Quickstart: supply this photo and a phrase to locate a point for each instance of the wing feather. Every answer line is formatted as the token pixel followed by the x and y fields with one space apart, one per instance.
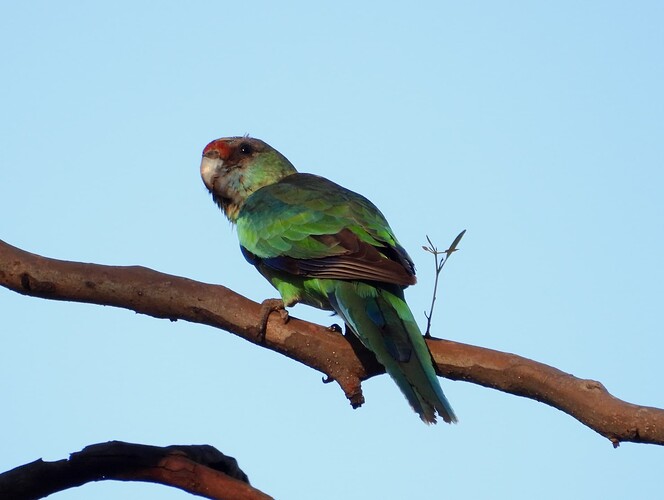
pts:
pixel 308 226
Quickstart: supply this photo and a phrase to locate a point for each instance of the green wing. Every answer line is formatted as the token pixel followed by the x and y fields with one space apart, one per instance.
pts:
pixel 308 226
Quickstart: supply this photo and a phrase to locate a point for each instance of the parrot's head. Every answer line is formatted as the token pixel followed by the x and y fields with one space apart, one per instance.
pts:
pixel 235 167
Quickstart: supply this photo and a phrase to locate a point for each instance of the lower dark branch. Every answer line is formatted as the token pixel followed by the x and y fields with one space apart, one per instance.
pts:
pixel 165 296
pixel 201 470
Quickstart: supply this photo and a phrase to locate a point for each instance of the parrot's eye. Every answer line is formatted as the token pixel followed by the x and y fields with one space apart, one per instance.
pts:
pixel 246 149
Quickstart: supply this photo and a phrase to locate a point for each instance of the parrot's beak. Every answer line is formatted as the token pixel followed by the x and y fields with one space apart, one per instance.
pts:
pixel 210 168
pixel 212 164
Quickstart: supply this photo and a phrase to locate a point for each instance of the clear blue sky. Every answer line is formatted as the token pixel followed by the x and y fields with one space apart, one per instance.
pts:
pixel 536 126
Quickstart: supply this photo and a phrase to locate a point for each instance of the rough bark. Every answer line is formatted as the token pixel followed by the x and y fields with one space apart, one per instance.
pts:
pixel 165 296
pixel 201 470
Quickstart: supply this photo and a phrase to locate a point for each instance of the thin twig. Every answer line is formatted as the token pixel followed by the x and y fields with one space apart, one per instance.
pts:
pixel 439 267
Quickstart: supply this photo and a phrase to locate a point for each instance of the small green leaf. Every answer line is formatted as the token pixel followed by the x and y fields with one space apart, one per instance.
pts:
pixel 455 243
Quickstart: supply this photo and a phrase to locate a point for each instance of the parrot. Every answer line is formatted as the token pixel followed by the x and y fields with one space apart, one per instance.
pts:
pixel 325 246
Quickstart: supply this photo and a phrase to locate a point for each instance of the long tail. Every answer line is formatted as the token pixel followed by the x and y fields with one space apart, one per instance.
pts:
pixel 385 325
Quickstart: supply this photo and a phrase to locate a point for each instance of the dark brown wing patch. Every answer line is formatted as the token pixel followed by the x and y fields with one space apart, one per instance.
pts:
pixel 359 261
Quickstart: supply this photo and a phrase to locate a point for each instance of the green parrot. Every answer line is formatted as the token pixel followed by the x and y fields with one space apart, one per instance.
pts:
pixel 323 245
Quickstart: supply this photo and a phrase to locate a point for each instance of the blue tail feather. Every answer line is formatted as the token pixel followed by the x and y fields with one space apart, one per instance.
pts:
pixel 385 325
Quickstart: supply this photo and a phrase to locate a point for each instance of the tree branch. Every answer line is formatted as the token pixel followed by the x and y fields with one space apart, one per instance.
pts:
pixel 165 296
pixel 200 470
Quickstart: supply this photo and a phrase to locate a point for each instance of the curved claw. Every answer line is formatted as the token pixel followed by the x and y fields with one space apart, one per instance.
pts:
pixel 268 306
pixel 327 379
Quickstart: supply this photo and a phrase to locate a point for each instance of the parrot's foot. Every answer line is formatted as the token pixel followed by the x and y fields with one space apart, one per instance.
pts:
pixel 335 328
pixel 268 306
